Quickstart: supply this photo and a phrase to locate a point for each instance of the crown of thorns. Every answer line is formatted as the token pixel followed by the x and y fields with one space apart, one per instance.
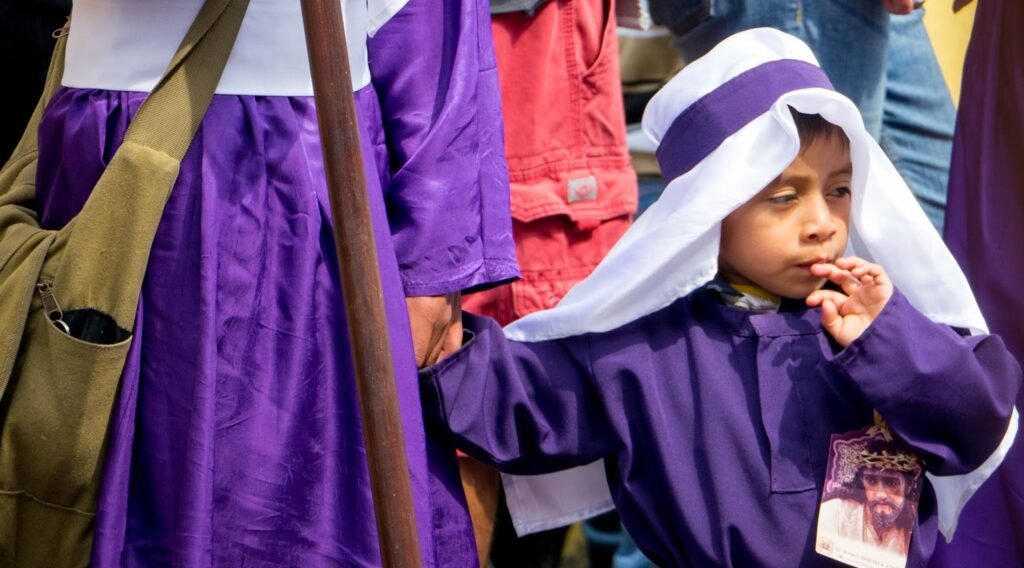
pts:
pixel 854 457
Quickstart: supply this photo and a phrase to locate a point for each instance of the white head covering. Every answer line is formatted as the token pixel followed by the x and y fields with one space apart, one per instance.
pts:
pixel 725 131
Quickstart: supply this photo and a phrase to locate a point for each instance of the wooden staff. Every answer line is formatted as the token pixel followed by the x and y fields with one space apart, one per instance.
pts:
pixel 360 281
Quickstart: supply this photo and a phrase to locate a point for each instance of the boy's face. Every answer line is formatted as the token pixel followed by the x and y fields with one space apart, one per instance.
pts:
pixel 799 220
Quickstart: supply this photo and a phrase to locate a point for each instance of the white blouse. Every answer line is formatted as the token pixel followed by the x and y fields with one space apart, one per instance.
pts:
pixel 125 45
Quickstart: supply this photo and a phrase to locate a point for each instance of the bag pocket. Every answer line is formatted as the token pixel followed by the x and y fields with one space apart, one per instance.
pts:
pixel 57 410
pixel 95 327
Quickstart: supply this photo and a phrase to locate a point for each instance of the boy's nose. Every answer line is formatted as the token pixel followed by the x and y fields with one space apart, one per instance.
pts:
pixel 819 224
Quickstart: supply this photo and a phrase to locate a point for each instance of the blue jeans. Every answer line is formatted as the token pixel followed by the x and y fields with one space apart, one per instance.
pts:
pixel 919 116
pixel 650 189
pixel 610 545
pixel 627 555
pixel 884 65
pixel 849 38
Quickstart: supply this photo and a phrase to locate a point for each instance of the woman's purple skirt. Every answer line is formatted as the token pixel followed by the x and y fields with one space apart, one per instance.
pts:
pixel 236 438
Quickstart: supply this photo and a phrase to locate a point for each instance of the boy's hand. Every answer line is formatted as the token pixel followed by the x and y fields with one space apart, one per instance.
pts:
pixel 436 326
pixel 866 290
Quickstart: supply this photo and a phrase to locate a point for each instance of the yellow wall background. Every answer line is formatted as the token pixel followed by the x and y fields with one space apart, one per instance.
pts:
pixel 949 34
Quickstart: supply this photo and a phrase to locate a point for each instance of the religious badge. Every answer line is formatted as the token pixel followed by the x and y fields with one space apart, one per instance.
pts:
pixel 869 505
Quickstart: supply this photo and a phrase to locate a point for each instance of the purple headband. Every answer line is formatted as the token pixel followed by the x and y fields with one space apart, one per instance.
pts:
pixel 705 124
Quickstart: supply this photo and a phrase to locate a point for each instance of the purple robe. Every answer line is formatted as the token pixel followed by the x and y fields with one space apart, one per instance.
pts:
pixel 984 229
pixel 715 423
pixel 236 438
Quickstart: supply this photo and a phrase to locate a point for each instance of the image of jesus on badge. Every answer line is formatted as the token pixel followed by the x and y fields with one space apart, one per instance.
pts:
pixel 869 506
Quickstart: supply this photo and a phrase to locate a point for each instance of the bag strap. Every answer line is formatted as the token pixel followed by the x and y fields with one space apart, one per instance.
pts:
pixel 96 266
pixel 171 114
pixel 56 70
pixel 168 119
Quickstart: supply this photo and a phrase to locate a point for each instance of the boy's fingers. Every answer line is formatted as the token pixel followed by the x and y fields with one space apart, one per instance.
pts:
pixel 868 268
pixel 830 318
pixel 842 278
pixel 822 270
pixel 869 280
pixel 858 264
pixel 817 297
pixel 850 262
pixel 859 267
pixel 882 277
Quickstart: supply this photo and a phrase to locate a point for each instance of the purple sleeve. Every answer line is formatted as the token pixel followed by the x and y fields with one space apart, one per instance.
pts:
pixel 434 70
pixel 525 408
pixel 948 396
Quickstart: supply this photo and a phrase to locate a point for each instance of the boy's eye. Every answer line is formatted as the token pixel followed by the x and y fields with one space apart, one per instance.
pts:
pixel 784 199
pixel 840 192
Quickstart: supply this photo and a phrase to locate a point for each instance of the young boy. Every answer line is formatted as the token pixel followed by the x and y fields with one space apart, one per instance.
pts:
pixel 738 326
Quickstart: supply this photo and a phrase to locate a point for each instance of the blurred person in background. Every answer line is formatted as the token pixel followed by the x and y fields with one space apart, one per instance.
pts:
pixel 984 229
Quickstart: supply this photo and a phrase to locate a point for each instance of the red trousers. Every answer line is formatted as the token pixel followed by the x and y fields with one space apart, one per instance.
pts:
pixel 573 187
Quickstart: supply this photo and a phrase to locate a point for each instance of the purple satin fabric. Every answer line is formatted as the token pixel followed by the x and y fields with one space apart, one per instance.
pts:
pixel 984 229
pixel 437 58
pixel 705 124
pixel 236 438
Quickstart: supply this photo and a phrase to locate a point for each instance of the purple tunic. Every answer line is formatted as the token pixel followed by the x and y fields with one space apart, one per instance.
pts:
pixel 984 229
pixel 236 438
pixel 715 423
